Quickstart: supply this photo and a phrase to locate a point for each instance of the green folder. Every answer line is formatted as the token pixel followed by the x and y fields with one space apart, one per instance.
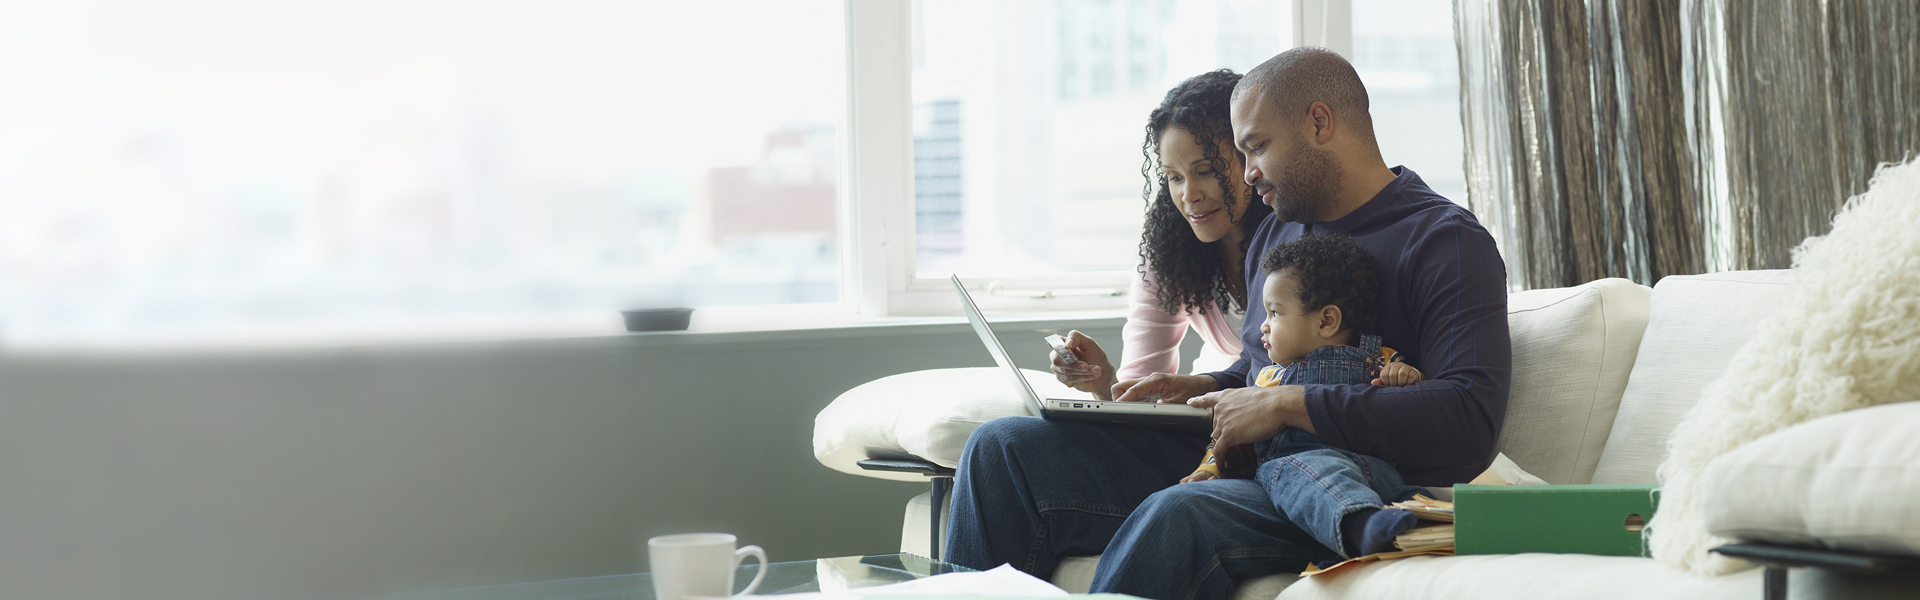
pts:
pixel 1573 519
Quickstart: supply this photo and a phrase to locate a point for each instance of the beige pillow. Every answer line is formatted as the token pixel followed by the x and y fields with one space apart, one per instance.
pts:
pixel 1572 350
pixel 1846 481
pixel 1695 325
pixel 927 414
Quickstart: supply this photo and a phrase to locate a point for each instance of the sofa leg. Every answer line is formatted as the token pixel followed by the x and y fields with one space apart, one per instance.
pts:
pixel 1775 587
pixel 938 496
pixel 942 478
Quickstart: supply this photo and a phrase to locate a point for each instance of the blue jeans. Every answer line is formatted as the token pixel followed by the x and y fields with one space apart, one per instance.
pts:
pixel 1315 485
pixel 1031 491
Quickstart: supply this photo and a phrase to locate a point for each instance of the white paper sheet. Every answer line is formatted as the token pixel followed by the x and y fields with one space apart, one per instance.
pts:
pixel 1003 580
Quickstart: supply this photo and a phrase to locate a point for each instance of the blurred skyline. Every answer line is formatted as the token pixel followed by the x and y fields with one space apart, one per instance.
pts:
pixel 178 166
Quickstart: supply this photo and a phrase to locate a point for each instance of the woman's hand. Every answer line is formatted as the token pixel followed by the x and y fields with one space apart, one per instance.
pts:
pixel 1165 388
pixel 1092 373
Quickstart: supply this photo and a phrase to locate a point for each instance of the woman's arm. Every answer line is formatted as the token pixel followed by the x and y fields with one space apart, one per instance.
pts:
pixel 1151 338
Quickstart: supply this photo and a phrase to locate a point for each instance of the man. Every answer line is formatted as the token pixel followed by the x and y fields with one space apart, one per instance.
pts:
pixel 1031 491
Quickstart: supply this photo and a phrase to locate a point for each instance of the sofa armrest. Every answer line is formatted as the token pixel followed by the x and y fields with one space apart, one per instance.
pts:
pixel 923 415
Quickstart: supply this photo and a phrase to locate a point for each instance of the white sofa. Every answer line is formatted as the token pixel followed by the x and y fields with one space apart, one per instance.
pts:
pixel 1602 374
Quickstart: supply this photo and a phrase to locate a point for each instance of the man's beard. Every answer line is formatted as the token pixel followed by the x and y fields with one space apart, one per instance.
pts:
pixel 1305 190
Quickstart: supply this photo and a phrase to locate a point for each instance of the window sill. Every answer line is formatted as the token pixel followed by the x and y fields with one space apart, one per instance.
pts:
pixel 715 326
pixel 726 328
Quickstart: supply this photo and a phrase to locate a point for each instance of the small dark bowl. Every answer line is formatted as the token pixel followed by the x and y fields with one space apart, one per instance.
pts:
pixel 658 319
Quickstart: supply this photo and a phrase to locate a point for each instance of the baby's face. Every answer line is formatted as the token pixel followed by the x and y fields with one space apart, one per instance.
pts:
pixel 1290 330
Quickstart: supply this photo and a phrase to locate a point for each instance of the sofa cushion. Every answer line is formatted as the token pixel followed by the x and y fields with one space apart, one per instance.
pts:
pixel 1845 481
pixel 1694 326
pixel 1572 350
pixel 927 414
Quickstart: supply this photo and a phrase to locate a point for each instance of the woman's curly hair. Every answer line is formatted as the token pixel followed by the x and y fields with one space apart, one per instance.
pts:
pixel 1189 272
pixel 1332 269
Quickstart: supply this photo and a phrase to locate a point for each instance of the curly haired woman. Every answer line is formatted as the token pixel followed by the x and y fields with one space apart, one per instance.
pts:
pixel 1199 218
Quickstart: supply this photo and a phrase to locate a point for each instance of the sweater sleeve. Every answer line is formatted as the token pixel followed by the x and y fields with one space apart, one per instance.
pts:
pixel 1150 341
pixel 1235 376
pixel 1442 430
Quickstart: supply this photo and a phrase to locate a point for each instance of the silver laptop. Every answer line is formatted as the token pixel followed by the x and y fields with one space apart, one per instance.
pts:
pixel 1177 418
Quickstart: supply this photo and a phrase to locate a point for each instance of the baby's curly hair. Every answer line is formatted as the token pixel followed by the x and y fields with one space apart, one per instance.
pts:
pixel 1332 269
pixel 1188 271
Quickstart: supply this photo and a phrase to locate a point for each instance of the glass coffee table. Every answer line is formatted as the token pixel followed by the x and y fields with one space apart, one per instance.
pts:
pixel 825 574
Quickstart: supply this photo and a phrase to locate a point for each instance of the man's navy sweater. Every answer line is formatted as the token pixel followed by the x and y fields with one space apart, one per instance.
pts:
pixel 1443 306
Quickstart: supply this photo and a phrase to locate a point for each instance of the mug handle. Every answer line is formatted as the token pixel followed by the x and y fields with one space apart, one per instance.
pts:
pixel 741 555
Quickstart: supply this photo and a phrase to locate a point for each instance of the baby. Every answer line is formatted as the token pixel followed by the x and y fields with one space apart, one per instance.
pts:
pixel 1321 292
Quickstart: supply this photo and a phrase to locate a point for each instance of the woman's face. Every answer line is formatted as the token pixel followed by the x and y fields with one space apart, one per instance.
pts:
pixel 1193 182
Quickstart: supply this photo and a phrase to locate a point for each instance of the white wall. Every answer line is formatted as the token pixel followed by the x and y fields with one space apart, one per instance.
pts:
pixel 351 473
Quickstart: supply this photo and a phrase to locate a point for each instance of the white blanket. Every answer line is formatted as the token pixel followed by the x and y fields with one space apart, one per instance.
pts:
pixel 1847 337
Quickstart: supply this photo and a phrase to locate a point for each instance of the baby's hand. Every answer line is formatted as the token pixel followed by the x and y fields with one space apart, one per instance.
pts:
pixel 1398 373
pixel 1201 475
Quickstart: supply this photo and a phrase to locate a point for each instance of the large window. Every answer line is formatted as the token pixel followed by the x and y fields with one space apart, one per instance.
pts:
pixel 1405 54
pixel 220 169
pixel 217 168
pixel 1029 118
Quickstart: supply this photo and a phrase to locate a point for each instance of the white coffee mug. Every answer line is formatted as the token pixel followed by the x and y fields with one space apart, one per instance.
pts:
pixel 699 564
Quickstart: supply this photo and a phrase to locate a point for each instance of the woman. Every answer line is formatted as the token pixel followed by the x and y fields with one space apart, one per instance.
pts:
pixel 1200 216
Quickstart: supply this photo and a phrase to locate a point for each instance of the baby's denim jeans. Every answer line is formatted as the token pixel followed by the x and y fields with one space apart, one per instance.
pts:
pixel 1312 483
pixel 1315 485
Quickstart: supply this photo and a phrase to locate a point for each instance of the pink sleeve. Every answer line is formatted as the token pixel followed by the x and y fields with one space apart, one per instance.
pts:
pixel 1151 337
pixel 1213 327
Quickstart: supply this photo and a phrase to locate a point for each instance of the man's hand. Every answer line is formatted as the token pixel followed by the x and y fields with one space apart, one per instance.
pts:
pixel 1092 373
pixel 1251 414
pixel 1398 373
pixel 1165 388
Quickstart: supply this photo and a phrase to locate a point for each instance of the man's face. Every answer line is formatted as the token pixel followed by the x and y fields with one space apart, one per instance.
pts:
pixel 1290 175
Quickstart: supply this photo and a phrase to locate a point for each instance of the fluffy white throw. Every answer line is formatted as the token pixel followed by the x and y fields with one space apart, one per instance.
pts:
pixel 1847 337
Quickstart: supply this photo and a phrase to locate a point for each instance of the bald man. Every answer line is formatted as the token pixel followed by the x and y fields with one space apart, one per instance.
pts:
pixel 1031 491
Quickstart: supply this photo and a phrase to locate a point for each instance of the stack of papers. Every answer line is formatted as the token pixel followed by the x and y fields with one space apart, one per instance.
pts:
pixel 1428 508
pixel 1431 537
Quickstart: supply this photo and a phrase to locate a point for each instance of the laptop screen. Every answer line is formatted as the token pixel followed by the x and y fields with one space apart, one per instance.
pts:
pixel 993 347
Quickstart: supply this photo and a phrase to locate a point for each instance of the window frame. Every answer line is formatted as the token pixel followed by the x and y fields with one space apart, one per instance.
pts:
pixel 877 208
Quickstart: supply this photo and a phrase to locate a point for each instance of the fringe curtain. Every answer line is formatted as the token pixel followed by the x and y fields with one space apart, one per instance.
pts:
pixel 1595 144
pixel 1818 94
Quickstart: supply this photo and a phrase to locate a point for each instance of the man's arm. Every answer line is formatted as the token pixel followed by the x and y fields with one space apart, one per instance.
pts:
pixel 1441 430
pixel 1235 376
